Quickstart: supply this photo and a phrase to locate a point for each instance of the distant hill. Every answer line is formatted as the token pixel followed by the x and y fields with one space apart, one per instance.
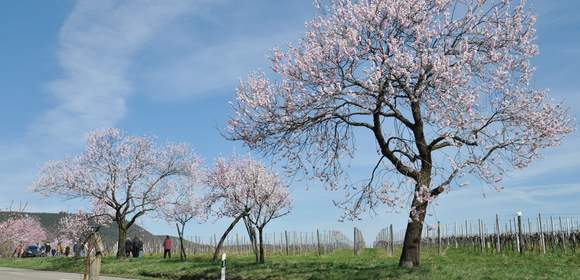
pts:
pixel 109 234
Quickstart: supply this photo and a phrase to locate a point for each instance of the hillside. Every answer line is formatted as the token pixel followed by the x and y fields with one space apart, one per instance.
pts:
pixel 109 234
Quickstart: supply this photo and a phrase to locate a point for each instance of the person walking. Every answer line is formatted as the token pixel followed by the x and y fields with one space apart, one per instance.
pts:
pixel 128 247
pixel 140 247
pixel 95 250
pixel 136 246
pixel 18 251
pixel 59 251
pixel 47 249
pixel 76 250
pixel 167 247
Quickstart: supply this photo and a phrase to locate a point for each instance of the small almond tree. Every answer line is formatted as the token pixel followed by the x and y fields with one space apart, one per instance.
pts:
pixel 272 201
pixel 20 229
pixel 183 207
pixel 442 87
pixel 127 175
pixel 78 227
pixel 244 189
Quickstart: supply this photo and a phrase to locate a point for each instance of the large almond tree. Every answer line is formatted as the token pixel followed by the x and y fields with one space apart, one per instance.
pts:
pixel 124 176
pixel 442 87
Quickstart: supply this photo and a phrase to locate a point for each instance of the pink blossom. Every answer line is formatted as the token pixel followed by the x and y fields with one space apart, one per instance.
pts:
pixel 123 176
pixel 443 87
pixel 21 228
pixel 243 185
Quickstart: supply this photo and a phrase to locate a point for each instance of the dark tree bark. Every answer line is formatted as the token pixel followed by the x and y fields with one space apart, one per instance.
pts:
pixel 261 236
pixel 122 236
pixel 411 255
pixel 224 236
pixel 252 235
pixel 182 254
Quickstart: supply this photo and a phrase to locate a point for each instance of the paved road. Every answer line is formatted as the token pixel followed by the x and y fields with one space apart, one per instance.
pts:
pixel 27 274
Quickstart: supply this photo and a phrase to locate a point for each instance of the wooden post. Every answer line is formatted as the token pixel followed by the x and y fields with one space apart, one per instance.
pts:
pixel 562 234
pixel 497 235
pixel 318 241
pixel 391 241
pixel 287 249
pixel 438 237
pixel 481 237
pixel 520 240
pixel 541 229
pixel 455 236
pixel 238 244
pixel 355 245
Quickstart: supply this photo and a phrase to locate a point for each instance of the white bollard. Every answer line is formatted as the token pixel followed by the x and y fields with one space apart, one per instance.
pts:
pixel 223 266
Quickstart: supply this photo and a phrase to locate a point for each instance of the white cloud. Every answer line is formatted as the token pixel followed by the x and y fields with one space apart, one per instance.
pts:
pixel 209 68
pixel 96 46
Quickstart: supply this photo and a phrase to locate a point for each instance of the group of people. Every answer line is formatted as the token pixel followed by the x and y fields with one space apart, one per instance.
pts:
pixel 134 247
pixel 45 249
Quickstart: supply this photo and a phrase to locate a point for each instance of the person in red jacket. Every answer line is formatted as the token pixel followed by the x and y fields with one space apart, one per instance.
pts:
pixel 167 247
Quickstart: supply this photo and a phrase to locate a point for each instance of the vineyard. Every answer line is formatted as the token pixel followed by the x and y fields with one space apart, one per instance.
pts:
pixel 541 235
pixel 290 243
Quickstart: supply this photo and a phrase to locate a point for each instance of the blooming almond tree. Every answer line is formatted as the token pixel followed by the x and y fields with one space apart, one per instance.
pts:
pixel 78 227
pixel 127 176
pixel 184 206
pixel 238 188
pixel 441 86
pixel 272 201
pixel 21 228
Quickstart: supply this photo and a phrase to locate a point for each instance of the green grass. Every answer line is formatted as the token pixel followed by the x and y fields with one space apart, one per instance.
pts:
pixel 372 264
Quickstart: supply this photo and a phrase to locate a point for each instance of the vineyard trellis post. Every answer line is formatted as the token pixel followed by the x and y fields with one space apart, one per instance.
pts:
pixel 497 234
pixel 391 241
pixel 562 235
pixel 520 240
pixel 287 249
pixel 439 237
pixel 355 247
pixel 455 236
pixel 542 240
pixel 481 236
pixel 318 242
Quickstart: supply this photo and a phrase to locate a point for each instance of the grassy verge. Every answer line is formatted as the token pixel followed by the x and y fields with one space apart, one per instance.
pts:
pixel 372 264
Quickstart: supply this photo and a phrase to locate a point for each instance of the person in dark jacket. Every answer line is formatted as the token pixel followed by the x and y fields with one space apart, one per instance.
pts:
pixel 137 246
pixel 47 249
pixel 128 247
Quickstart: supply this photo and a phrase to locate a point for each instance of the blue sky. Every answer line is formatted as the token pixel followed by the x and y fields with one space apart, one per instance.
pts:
pixel 169 68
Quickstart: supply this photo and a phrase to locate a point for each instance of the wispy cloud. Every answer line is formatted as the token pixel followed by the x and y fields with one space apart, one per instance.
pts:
pixel 97 44
pixel 209 68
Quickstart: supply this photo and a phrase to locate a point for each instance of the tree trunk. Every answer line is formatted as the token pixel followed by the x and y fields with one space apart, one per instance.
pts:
pixel 224 236
pixel 182 254
pixel 252 235
pixel 122 236
pixel 411 255
pixel 262 259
